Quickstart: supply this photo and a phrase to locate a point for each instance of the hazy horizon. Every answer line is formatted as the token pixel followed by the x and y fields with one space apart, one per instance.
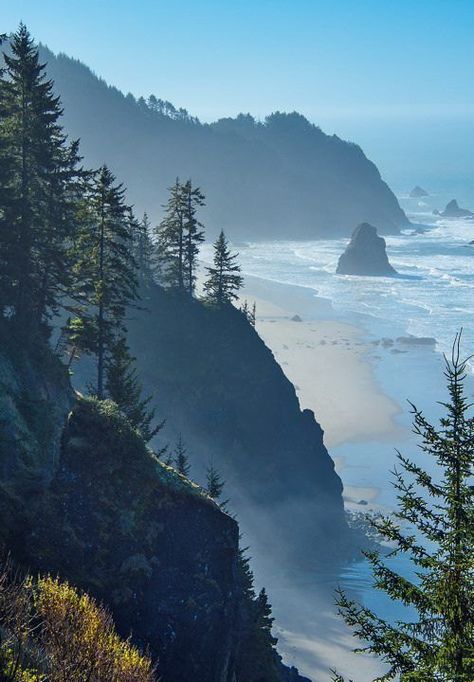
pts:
pixel 393 80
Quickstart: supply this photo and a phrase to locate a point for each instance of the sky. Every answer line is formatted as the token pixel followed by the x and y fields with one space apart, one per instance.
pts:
pixel 355 67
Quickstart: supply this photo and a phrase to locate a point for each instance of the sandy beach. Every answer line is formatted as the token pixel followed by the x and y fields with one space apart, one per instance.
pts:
pixel 325 359
pixel 329 363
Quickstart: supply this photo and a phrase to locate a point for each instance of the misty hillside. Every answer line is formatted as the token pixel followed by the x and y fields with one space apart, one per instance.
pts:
pixel 282 178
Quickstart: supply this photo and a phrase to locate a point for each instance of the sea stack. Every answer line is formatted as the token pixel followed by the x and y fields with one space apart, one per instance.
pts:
pixel 418 192
pixel 453 210
pixel 365 254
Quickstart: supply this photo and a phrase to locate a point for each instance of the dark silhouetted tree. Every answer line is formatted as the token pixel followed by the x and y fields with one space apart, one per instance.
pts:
pixel 181 460
pixel 258 659
pixel 38 190
pixel 105 268
pixel 143 250
pixel 253 315
pixel 178 237
pixel 224 279
pixel 434 527
pixel 214 482
pixel 124 388
pixel 193 233
pixel 170 240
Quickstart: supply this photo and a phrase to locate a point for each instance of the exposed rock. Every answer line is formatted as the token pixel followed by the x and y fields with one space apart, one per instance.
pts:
pixel 453 210
pixel 296 318
pixel 85 499
pixel 217 384
pixel 145 541
pixel 418 192
pixel 365 254
pixel 417 341
pixel 35 398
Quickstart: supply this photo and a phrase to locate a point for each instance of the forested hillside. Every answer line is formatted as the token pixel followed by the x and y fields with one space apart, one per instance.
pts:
pixel 82 494
pixel 281 178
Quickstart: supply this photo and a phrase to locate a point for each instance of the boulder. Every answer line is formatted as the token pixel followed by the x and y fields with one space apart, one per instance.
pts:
pixel 365 254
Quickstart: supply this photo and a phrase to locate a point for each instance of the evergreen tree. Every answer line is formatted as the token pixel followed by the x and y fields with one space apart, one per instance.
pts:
pixel 224 279
pixel 105 269
pixel 437 645
pixel 124 388
pixel 252 315
pixel 258 659
pixel 39 172
pixel 263 617
pixel 244 309
pixel 181 459
pixel 170 239
pixel 178 237
pixel 214 482
pixel 143 250
pixel 194 235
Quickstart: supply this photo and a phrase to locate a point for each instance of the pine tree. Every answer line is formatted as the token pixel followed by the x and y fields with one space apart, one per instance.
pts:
pixel 170 239
pixel 214 482
pixel 143 251
pixel 178 237
pixel 224 279
pixel 181 459
pixel 244 309
pixel 258 659
pixel 39 173
pixel 124 388
pixel 105 268
pixel 263 618
pixel 193 235
pixel 438 644
pixel 252 315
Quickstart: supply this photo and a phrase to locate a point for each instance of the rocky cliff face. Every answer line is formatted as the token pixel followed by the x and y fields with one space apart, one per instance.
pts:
pixel 281 178
pixel 365 254
pixel 83 497
pixel 216 383
pixel 35 398
pixel 145 540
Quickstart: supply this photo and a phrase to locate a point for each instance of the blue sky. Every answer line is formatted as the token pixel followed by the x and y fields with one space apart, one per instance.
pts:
pixel 338 59
pixel 355 67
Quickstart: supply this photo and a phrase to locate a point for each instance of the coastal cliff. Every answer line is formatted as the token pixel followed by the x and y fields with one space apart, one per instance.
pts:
pixel 83 497
pixel 282 178
pixel 218 386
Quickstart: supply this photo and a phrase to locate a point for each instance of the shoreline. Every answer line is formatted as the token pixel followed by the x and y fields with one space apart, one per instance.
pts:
pixel 355 373
pixel 327 358
pixel 353 377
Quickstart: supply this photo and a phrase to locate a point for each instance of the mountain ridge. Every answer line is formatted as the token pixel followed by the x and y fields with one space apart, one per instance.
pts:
pixel 282 178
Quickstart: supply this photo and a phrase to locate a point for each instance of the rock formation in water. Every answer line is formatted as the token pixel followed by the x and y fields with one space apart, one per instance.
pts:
pixel 365 254
pixel 453 210
pixel 418 192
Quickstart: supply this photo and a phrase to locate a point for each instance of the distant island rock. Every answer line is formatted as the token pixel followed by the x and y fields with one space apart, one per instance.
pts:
pixel 418 192
pixel 453 210
pixel 365 254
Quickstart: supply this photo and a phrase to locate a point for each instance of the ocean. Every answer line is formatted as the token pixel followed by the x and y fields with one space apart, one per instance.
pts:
pixel 433 297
